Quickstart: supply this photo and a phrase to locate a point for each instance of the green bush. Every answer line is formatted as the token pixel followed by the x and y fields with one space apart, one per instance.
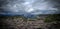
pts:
pixel 53 18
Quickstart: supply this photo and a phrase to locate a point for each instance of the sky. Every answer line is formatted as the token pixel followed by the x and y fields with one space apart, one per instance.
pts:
pixel 35 7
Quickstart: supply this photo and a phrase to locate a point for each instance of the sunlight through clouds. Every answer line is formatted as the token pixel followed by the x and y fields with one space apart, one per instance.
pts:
pixel 28 6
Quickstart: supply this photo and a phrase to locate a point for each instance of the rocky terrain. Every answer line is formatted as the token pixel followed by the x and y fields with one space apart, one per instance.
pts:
pixel 17 22
pixel 20 22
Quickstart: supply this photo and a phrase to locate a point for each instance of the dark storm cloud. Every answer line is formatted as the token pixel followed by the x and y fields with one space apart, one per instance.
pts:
pixel 56 4
pixel 8 6
pixel 29 6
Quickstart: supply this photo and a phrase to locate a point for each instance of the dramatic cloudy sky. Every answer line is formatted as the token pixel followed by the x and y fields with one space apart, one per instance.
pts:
pixel 17 7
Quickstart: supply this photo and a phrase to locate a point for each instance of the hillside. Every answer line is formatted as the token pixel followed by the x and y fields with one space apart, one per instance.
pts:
pixel 21 22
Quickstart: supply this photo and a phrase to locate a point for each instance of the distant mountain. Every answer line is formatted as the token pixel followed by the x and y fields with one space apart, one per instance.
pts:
pixel 24 15
pixel 27 15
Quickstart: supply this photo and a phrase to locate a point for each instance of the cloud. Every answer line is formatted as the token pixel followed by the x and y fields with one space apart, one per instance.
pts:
pixel 28 6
